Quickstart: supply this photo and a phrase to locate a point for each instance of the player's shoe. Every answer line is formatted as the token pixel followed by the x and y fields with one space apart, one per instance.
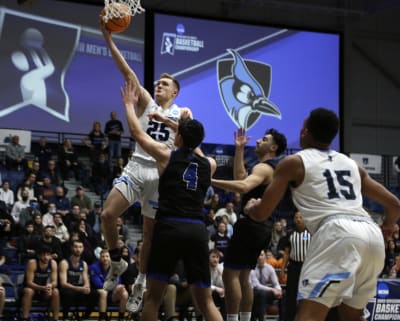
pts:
pixel 136 298
pixel 116 269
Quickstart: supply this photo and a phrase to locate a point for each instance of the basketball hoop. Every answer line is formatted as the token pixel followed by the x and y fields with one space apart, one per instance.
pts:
pixel 117 11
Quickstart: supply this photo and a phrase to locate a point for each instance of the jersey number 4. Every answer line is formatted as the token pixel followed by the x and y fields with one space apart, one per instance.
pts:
pixel 344 186
pixel 190 176
pixel 158 131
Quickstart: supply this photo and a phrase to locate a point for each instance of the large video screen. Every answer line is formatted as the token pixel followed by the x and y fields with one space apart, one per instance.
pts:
pixel 57 73
pixel 236 75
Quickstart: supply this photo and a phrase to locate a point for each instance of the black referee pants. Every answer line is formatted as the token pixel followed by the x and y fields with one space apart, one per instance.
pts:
pixel 292 285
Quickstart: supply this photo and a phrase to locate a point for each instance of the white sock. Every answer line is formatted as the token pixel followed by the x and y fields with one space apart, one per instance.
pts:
pixel 141 278
pixel 244 316
pixel 232 317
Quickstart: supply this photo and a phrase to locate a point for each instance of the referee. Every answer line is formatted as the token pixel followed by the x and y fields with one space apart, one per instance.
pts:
pixel 294 246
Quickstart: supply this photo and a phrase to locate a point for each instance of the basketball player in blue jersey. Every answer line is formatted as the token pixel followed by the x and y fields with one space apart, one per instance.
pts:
pixel 180 232
pixel 347 251
pixel 41 283
pixel 249 236
pixel 139 180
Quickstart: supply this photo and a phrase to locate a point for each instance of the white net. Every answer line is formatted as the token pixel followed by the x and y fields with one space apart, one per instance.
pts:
pixel 121 8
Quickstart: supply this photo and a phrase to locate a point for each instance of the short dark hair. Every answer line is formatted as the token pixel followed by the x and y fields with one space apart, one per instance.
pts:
pixel 279 139
pixel 174 80
pixel 323 124
pixel 192 132
pixel 43 249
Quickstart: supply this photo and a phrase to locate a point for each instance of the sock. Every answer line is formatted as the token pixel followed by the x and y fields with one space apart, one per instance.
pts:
pixel 121 315
pixel 244 316
pixel 141 278
pixel 115 254
pixel 102 316
pixel 232 317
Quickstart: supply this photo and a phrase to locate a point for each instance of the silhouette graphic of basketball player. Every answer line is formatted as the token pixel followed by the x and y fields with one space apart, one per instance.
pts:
pixel 168 45
pixel 32 84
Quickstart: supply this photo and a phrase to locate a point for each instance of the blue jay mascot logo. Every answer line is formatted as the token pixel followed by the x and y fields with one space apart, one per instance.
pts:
pixel 244 88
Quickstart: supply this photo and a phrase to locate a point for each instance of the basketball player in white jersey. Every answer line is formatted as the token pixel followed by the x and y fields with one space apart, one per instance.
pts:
pixel 347 250
pixel 139 181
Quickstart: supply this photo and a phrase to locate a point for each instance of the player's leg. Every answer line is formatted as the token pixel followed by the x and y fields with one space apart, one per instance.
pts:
pixel 114 206
pixel 206 303
pixel 309 310
pixel 149 205
pixel 233 292
pixel 246 303
pixel 348 313
pixel 154 297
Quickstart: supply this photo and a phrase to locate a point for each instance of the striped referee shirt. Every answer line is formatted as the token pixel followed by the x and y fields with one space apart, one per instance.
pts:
pixel 298 245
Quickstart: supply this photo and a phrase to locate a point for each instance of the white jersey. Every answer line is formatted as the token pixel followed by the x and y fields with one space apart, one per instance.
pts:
pixel 331 185
pixel 158 130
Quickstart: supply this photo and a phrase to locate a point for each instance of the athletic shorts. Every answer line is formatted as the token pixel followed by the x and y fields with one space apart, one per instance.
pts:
pixel 343 262
pixel 175 239
pixel 248 239
pixel 139 182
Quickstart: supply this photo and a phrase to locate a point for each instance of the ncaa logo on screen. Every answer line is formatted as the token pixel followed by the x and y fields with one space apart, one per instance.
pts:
pixel 168 43
pixel 178 41
pixel 382 290
pixel 244 87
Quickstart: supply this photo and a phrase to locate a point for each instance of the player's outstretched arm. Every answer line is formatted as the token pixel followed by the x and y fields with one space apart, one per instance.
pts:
pixel 289 171
pixel 240 139
pixel 157 150
pixel 126 70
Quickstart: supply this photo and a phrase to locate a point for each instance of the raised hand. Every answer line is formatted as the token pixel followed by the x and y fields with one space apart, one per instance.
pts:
pixel 130 93
pixel 240 137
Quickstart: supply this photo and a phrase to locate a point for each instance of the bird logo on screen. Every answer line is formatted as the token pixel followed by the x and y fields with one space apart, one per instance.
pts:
pixel 244 87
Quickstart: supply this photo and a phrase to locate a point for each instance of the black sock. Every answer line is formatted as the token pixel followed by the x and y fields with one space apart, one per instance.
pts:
pixel 121 315
pixel 115 254
pixel 102 316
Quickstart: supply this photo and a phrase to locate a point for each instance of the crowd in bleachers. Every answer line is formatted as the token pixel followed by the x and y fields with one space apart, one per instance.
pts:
pixel 35 213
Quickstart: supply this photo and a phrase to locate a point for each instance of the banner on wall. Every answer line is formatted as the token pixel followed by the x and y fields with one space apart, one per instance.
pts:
pixel 371 163
pixel 385 305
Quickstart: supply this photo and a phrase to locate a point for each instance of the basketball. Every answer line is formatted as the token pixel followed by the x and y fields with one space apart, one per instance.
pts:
pixel 118 17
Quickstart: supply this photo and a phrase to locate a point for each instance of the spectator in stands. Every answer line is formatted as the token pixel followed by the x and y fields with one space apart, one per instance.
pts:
pixel 217 284
pixel 7 195
pixel 272 260
pixel 27 243
pixel 397 169
pixel 38 227
pixel 395 269
pixel 114 130
pixel 46 193
pixel 213 203
pixel 209 217
pixel 101 176
pixel 28 184
pixel 6 228
pixel 15 155
pixel 19 206
pixel 96 141
pixel 51 242
pixel 123 230
pixel 209 194
pixel 118 168
pixel 63 204
pixel 42 152
pixel 94 218
pixel 41 282
pixel 51 170
pixel 98 273
pixel 228 212
pixel 48 217
pixel 35 169
pixel 390 256
pixel 237 202
pixel 61 231
pixel 132 271
pixel 68 161
pixel 277 234
pixel 220 240
pixel 266 288
pixel 2 298
pixel 74 281
pixel 81 199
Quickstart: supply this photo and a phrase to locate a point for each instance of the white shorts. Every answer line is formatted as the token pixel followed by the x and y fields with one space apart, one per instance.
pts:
pixel 343 262
pixel 139 182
